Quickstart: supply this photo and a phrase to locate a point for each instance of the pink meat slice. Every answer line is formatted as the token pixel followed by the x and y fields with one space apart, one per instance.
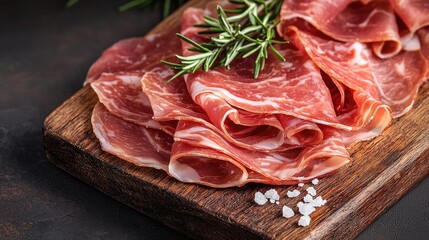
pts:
pixel 137 55
pixel 394 81
pixel 134 143
pixel 205 166
pixel 286 167
pixel 424 41
pixel 122 95
pixel 414 13
pixel 349 21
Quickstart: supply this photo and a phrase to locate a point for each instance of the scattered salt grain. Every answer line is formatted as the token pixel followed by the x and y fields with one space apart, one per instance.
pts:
pixel 318 202
pixel 315 181
pixel 288 212
pixel 301 184
pixel 272 195
pixel 311 191
pixel 292 194
pixel 260 199
pixel 304 221
pixel 308 198
pixel 306 209
pixel 277 202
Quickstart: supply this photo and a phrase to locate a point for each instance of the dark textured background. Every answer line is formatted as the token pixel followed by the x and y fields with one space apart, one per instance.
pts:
pixel 45 51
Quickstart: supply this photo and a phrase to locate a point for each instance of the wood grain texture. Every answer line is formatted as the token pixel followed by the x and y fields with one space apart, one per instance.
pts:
pixel 382 171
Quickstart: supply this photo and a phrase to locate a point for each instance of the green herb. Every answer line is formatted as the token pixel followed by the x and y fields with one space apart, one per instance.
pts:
pixel 248 29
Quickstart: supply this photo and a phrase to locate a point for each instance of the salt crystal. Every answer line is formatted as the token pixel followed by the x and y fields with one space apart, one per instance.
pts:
pixel 311 191
pixel 299 204
pixel 308 198
pixel 288 212
pixel 315 181
pixel 272 201
pixel 306 209
pixel 300 184
pixel 294 193
pixel 318 202
pixel 277 202
pixel 260 199
pixel 272 195
pixel 304 221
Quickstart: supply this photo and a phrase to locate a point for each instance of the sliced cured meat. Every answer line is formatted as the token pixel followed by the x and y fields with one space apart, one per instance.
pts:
pixel 171 101
pixel 131 142
pixel 291 166
pixel 414 13
pixel 277 91
pixel 424 40
pixel 122 95
pixel 349 21
pixel 205 166
pixel 291 124
pixel 248 130
pixel 399 79
pixel 137 55
pixel 394 81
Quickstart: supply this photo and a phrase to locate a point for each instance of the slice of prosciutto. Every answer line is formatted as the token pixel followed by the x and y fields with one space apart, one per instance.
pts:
pixel 122 95
pixel 414 13
pixel 286 167
pixel 134 143
pixel 137 55
pixel 349 21
pixel 393 81
pixel 116 76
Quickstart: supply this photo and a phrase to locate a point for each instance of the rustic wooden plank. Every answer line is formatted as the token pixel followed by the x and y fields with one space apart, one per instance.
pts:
pixel 382 171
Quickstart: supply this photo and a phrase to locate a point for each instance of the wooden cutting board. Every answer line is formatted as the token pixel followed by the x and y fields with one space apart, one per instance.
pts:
pixel 382 171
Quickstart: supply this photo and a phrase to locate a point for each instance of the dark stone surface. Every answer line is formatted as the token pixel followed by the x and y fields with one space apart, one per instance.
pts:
pixel 45 51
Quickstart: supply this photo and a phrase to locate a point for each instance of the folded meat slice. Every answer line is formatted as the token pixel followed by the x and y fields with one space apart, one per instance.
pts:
pixel 206 166
pixel 424 40
pixel 414 13
pixel 350 21
pixel 122 95
pixel 138 55
pixel 394 81
pixel 134 143
pixel 248 130
pixel 116 76
pixel 285 167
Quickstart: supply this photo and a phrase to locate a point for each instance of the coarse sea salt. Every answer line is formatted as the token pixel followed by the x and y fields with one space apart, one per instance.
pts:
pixel 272 195
pixel 315 181
pixel 311 191
pixel 308 198
pixel 260 199
pixel 292 194
pixel 306 209
pixel 318 202
pixel 287 212
pixel 304 221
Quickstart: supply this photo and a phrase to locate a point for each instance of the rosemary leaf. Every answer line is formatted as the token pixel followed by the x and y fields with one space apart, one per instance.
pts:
pixel 246 30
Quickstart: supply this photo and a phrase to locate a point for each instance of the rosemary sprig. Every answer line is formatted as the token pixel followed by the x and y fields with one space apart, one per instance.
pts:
pixel 249 29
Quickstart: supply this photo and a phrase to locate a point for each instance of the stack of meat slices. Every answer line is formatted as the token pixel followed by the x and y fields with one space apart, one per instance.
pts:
pixel 351 67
